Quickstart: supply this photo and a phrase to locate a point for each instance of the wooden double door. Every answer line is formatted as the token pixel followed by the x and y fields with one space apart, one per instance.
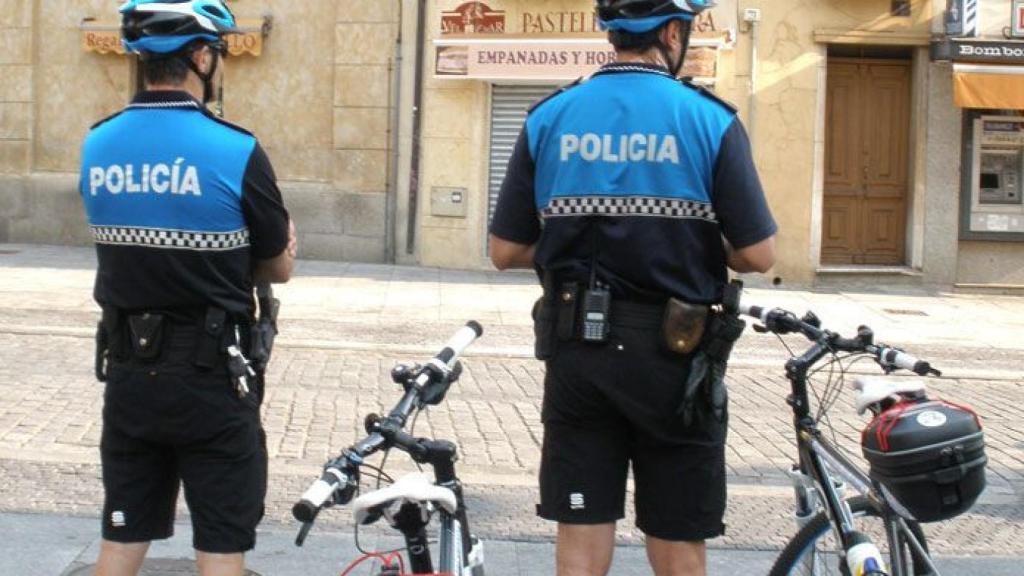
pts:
pixel 866 162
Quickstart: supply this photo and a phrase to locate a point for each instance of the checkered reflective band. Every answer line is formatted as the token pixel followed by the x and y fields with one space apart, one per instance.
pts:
pixel 629 206
pixel 180 239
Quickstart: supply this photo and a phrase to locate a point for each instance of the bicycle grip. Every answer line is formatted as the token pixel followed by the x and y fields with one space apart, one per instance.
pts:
pixel 893 357
pixel 463 338
pixel 322 489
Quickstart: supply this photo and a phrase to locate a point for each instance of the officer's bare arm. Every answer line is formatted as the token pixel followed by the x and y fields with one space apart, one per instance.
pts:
pixel 505 254
pixel 759 257
pixel 278 270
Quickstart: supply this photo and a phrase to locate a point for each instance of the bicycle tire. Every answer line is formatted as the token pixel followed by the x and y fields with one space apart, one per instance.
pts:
pixel 789 560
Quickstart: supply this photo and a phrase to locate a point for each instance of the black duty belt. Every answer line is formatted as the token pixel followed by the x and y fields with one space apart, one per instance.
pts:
pixel 637 315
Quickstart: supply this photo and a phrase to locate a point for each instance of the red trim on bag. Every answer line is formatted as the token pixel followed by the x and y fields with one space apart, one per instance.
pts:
pixel 890 418
pixel 966 408
pixel 885 422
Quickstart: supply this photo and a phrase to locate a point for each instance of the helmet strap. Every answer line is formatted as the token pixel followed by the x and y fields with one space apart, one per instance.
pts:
pixel 675 66
pixel 207 79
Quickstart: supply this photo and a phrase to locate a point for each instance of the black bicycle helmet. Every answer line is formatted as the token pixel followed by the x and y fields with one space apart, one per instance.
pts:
pixel 163 27
pixel 639 16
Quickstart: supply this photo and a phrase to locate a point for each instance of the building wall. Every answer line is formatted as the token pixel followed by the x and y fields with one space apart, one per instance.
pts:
pixel 319 99
pixel 789 123
pixel 15 102
pixel 456 140
pixel 987 263
pixel 785 119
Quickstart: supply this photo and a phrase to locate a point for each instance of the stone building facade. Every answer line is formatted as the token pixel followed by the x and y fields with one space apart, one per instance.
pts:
pixel 389 122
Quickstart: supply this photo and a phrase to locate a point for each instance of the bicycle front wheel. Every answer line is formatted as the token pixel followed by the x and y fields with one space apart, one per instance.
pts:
pixel 814 550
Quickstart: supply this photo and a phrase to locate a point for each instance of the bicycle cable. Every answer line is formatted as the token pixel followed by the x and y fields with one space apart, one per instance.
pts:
pixel 412 432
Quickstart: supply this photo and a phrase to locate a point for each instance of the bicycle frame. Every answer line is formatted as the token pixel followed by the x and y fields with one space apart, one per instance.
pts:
pixel 455 543
pixel 821 462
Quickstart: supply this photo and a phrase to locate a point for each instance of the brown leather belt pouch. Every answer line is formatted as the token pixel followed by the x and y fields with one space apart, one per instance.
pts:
pixel 683 326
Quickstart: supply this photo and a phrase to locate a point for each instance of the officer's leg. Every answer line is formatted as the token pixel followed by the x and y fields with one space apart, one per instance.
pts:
pixel 584 460
pixel 220 564
pixel 117 559
pixel 585 550
pixel 676 558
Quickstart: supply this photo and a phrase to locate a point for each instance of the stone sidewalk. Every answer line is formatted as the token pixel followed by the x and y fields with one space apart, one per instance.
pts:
pixel 344 326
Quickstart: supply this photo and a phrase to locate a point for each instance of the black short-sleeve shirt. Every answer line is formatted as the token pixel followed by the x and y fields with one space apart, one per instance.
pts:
pixel 639 177
pixel 181 205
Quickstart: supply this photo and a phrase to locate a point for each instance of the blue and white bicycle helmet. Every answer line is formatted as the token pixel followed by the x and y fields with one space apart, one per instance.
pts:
pixel 640 16
pixel 164 27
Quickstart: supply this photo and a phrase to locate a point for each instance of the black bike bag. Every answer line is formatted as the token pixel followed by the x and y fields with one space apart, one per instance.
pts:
pixel 928 457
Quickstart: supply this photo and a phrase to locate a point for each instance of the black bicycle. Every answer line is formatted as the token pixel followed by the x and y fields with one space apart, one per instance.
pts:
pixel 931 468
pixel 410 502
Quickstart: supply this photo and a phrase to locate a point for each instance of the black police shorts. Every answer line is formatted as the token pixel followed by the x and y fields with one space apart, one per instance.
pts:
pixel 167 424
pixel 610 405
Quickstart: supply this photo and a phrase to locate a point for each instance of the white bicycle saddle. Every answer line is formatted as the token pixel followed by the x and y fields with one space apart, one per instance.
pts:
pixel 415 487
pixel 872 389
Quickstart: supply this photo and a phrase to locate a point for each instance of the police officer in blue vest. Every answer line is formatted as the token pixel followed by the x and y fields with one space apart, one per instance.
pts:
pixel 186 216
pixel 631 193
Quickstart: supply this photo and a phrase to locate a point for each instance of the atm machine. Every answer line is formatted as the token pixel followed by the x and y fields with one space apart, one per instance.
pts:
pixel 998 175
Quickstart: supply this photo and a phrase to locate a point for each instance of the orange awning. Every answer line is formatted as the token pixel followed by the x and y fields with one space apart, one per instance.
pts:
pixel 992 87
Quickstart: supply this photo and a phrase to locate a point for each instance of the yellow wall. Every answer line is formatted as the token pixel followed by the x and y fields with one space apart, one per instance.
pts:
pixel 16 89
pixel 319 99
pixel 993 17
pixel 790 84
pixel 456 145
pixel 791 61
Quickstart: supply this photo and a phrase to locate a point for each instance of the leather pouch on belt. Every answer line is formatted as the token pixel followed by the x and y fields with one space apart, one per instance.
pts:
pixel 543 329
pixel 146 331
pixel 683 325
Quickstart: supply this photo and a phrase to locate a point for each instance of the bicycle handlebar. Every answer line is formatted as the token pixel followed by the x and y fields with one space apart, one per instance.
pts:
pixel 779 321
pixel 341 472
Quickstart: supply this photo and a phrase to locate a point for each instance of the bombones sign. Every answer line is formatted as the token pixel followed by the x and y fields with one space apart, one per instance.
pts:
pixel 989 52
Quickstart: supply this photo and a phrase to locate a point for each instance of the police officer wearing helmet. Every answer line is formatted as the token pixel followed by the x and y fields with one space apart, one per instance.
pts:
pixel 631 193
pixel 187 217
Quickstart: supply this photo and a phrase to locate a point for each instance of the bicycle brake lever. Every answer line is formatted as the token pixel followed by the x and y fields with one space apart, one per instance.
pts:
pixel 760 329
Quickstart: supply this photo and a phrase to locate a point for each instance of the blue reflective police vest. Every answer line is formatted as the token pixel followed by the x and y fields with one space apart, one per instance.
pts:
pixel 624 183
pixel 162 184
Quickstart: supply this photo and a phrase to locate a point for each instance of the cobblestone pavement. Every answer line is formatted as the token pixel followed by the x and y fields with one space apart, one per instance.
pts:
pixel 316 400
pixel 345 325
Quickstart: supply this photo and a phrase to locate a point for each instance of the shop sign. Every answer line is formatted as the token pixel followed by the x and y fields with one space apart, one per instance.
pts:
pixel 473 18
pixel 1017 21
pixel 102 41
pixel 988 52
pixel 106 38
pixel 545 60
pixel 962 18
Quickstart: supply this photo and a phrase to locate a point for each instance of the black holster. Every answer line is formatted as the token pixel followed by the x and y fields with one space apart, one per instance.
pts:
pixel 102 352
pixel 265 330
pixel 110 344
pixel 555 316
pixel 705 390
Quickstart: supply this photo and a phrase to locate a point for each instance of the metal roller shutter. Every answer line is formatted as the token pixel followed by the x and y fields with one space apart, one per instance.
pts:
pixel 508 112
